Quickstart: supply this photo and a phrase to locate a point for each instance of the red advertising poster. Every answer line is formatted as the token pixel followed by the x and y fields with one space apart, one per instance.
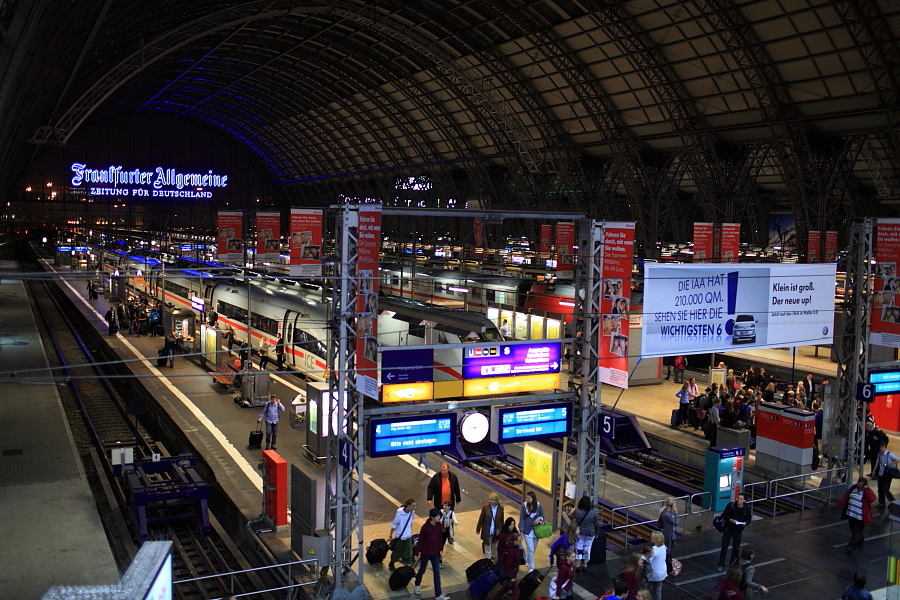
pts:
pixel 703 242
pixel 730 245
pixel 546 238
pixel 368 236
pixel 231 237
pixel 306 242
pixel 615 306
pixel 813 245
pixel 831 241
pixel 885 330
pixel 565 240
pixel 268 236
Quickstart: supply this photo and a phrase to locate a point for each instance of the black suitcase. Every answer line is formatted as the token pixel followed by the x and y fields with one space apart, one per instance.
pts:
pixel 377 551
pixel 477 568
pixel 692 417
pixel 529 584
pixel 162 357
pixel 256 437
pixel 401 577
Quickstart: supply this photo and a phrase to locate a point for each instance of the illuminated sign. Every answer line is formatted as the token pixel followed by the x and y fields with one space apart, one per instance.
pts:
pixel 406 392
pixel 523 423
pixel 185 246
pixel 165 183
pixel 411 434
pixel 886 382
pixel 407 366
pixel 510 385
pixel 198 304
pixel 504 360
pixel 537 467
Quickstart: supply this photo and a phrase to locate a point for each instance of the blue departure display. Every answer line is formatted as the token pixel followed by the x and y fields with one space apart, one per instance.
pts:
pixel 886 382
pixel 523 423
pixel 411 434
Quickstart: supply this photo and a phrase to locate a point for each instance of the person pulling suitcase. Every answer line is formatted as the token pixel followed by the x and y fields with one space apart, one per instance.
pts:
pixel 270 415
pixel 428 550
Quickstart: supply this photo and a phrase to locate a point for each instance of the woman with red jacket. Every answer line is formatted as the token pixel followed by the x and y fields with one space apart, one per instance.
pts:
pixel 856 506
pixel 508 569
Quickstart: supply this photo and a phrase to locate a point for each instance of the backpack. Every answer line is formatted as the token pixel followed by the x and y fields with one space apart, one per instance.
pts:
pixel 700 401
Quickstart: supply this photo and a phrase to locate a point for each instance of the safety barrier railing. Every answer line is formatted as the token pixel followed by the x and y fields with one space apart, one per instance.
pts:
pixel 838 478
pixel 233 574
pixel 625 512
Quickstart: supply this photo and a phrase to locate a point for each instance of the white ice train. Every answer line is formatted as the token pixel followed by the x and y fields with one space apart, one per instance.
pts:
pixel 299 312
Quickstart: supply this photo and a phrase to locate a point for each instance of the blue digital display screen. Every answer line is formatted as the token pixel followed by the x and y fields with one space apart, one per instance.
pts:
pixel 885 382
pixel 412 434
pixel 525 423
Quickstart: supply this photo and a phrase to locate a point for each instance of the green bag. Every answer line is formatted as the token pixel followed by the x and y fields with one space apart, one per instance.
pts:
pixel 544 530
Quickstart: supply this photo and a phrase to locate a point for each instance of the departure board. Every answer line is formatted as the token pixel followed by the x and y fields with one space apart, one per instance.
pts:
pixel 412 434
pixel 531 422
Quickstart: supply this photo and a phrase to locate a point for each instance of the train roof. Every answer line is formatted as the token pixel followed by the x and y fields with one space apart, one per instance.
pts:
pixel 457 322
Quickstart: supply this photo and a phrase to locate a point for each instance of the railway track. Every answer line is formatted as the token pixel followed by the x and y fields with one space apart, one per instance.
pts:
pixel 101 397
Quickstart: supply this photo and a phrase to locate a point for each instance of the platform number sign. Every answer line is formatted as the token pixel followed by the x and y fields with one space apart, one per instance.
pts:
pixel 346 454
pixel 865 392
pixel 607 426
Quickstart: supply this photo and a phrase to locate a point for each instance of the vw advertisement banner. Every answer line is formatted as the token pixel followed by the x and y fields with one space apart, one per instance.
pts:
pixel 693 309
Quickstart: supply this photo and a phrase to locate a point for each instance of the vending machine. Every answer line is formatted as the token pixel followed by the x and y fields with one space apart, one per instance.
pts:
pixel 723 477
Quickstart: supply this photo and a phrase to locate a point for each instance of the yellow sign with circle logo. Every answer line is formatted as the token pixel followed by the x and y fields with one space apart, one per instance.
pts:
pixel 538 467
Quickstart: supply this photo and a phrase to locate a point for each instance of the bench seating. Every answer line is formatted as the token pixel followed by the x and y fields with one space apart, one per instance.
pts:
pixel 225 375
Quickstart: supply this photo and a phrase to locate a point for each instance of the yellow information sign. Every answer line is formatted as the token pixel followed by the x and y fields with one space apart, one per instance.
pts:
pixel 538 467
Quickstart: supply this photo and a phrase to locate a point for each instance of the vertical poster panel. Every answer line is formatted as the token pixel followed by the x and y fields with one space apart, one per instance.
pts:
pixel 813 245
pixel 306 242
pixel 885 330
pixel 368 236
pixel 831 249
pixel 731 243
pixel 231 235
pixel 615 306
pixel 782 232
pixel 546 238
pixel 565 240
pixel 268 236
pixel 703 242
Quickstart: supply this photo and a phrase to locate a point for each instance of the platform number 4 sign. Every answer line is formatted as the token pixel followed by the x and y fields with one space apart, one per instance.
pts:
pixel 865 392
pixel 346 454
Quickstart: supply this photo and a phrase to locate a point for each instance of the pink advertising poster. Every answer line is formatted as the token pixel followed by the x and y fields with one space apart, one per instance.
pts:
pixel 730 246
pixel 306 242
pixel 368 248
pixel 268 236
pixel 703 242
pixel 813 246
pixel 565 242
pixel 831 246
pixel 615 305
pixel 546 238
pixel 885 330
pixel 230 240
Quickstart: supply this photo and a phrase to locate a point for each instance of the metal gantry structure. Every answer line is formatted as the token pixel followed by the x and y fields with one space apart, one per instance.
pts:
pixel 344 464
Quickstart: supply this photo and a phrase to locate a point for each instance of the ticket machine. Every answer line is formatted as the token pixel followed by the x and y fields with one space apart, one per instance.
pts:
pixel 723 476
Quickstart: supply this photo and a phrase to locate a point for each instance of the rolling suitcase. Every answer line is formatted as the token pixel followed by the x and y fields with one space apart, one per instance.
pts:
pixel 401 577
pixel 675 420
pixel 529 584
pixel 483 584
pixel 477 568
pixel 161 357
pixel 256 437
pixel 377 551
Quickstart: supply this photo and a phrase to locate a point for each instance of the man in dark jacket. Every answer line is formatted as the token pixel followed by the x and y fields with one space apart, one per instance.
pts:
pixel 428 548
pixel 444 487
pixel 734 519
pixel 874 439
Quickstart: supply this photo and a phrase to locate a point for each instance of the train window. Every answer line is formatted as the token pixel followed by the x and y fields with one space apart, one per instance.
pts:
pixel 438 287
pixel 490 295
pixel 475 293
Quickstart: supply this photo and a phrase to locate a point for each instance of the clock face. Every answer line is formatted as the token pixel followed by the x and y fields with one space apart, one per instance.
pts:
pixel 474 427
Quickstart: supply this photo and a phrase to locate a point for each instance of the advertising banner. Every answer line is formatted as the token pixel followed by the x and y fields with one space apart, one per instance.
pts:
pixel 615 306
pixel 231 234
pixel 546 238
pixel 306 242
pixel 703 242
pixel 730 244
pixel 368 236
pixel 505 360
pixel 831 243
pixel 716 308
pixel 782 232
pixel 813 245
pixel 268 236
pixel 565 240
pixel 885 329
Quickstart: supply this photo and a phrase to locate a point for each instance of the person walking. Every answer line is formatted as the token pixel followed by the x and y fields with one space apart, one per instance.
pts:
pixel 503 545
pixel 668 522
pixel 530 514
pixel 856 507
pixel 270 414
pixel 401 534
pixel 565 541
pixel 244 354
pixel 734 518
pixel 875 437
pixel 229 338
pixel 729 587
pixel 684 402
pixel 564 577
pixel 588 521
pixel 748 586
pixel 448 522
pixel 857 591
pixel 508 569
pixel 279 353
pixel 170 346
pixel 631 574
pixel 887 470
pixel 263 353
pixel 679 364
pixel 153 317
pixel 658 570
pixel 443 488
pixel 488 527
pixel 428 550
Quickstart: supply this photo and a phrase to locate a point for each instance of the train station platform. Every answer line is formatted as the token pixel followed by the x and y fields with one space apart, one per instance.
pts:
pixel 50 533
pixel 791 547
